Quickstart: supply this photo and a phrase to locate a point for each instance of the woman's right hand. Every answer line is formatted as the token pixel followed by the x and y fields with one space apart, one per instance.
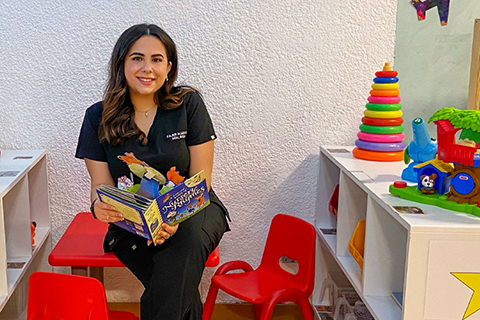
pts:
pixel 106 212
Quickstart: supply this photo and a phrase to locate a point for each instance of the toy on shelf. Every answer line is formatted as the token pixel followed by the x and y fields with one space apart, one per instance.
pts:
pixel 381 132
pixel 436 170
pixel 33 226
pixel 456 169
pixel 428 183
pixel 333 203
pixel 357 243
pixel 420 149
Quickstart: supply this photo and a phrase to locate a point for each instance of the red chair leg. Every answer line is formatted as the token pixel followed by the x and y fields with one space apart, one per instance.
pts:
pixel 284 295
pixel 306 308
pixel 210 302
pixel 258 308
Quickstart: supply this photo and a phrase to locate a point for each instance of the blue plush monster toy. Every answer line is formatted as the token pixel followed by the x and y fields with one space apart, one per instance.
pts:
pixel 421 149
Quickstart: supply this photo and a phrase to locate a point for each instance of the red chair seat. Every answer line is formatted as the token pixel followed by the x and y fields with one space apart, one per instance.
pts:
pixel 266 283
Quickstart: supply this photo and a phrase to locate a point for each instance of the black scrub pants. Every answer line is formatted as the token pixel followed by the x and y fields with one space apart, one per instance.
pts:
pixel 171 272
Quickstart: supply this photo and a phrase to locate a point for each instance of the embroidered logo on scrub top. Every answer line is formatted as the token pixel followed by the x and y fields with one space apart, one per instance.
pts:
pixel 176 135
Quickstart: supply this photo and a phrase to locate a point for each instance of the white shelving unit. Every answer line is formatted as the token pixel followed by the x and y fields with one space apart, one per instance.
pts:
pixel 23 198
pixel 414 254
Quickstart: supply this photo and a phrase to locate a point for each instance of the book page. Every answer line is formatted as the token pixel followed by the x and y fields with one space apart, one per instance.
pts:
pixel 128 212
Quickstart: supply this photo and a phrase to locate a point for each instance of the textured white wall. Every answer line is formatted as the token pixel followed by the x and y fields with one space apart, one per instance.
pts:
pixel 279 78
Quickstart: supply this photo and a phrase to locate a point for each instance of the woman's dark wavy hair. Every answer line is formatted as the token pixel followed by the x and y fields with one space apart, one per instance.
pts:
pixel 117 118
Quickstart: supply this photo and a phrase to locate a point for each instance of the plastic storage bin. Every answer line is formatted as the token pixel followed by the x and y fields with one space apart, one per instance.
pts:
pixel 357 243
pixel 333 203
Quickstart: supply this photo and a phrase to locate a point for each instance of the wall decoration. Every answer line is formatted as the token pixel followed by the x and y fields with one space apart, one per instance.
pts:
pixel 423 5
pixel 471 280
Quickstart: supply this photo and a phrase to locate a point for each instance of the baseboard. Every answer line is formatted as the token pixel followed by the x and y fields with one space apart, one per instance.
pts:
pixel 238 311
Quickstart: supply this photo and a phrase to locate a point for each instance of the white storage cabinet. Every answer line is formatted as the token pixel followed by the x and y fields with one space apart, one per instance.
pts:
pixel 413 254
pixel 23 198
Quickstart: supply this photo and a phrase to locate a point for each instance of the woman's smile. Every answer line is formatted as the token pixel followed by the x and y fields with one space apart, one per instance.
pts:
pixel 146 81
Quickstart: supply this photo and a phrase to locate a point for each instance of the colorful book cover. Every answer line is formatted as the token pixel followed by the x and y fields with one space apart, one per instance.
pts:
pixel 144 216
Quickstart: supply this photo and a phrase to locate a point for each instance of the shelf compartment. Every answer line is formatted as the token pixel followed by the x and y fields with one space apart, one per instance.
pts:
pixel 327 264
pixel 14 302
pixel 38 194
pixel 386 245
pixel 347 264
pixel 329 175
pixel 330 240
pixel 383 307
pixel 16 266
pixel 352 207
pixel 16 211
pixel 324 264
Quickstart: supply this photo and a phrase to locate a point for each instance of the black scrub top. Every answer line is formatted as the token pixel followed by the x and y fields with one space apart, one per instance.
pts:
pixel 170 135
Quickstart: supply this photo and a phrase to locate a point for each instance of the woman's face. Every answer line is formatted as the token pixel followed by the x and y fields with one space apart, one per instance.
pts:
pixel 146 66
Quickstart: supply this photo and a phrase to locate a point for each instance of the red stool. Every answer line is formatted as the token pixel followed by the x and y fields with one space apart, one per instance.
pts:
pixel 81 248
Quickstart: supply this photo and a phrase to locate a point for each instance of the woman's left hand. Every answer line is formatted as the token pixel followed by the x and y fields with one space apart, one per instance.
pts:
pixel 165 232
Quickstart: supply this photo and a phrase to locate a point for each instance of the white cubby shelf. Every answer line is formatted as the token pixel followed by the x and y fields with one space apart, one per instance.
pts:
pixel 402 252
pixel 23 199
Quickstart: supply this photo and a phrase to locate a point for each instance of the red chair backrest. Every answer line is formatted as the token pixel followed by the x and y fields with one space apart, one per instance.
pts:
pixel 53 296
pixel 295 238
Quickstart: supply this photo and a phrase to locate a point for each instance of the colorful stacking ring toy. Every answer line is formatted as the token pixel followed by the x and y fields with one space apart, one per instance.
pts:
pixel 377 156
pixel 383 147
pixel 381 130
pixel 388 73
pixel 385 93
pixel 383 114
pixel 385 86
pixel 385 80
pixel 384 100
pixel 381 137
pixel 384 107
pixel 382 122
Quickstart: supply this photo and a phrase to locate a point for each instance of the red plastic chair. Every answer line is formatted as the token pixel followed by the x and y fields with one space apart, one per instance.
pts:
pixel 57 296
pixel 213 259
pixel 269 284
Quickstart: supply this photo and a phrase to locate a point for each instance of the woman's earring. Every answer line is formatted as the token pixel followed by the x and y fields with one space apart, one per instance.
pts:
pixel 166 80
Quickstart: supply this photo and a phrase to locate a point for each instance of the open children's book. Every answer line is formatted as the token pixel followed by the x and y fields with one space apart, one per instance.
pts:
pixel 156 200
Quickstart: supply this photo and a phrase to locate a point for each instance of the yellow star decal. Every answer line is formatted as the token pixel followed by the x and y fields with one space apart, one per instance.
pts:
pixel 471 280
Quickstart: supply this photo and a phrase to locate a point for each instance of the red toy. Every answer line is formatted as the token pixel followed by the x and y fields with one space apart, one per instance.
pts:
pixel 33 226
